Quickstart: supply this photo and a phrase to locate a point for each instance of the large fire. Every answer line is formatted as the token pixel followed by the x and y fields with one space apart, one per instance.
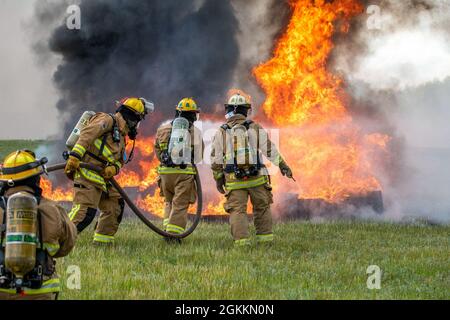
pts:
pixel 325 148
pixel 330 156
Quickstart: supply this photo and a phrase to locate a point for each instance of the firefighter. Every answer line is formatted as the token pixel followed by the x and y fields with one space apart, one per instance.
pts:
pixel 178 145
pixel 102 143
pixel 55 233
pixel 239 173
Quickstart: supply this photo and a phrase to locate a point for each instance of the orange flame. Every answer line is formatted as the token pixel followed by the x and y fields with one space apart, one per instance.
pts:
pixel 58 194
pixel 141 176
pixel 325 148
pixel 330 156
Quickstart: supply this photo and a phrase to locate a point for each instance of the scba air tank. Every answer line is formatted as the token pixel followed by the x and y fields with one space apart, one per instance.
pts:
pixel 82 123
pixel 180 142
pixel 21 233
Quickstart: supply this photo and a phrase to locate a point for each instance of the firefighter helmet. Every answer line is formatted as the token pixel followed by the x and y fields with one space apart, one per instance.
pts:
pixel 21 165
pixel 238 100
pixel 189 105
pixel 139 106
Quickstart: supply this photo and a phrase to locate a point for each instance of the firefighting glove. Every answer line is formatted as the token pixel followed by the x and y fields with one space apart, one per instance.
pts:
pixel 285 170
pixel 220 183
pixel 109 172
pixel 72 165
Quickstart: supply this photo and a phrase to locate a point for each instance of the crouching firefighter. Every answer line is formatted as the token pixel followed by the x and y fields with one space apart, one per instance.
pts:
pixel 100 139
pixel 178 145
pixel 34 231
pixel 236 161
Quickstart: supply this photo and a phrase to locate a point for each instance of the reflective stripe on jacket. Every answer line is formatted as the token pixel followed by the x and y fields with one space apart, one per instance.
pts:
pixel 252 182
pixel 91 176
pixel 90 143
pixel 176 170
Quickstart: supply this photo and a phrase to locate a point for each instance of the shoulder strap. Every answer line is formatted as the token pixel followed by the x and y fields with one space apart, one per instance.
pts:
pixel 3 203
pixel 102 147
pixel 247 124
pixel 39 221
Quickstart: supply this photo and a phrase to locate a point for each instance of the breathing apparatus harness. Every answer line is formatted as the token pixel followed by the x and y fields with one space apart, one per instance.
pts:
pixel 116 137
pixel 166 158
pixel 239 172
pixel 43 267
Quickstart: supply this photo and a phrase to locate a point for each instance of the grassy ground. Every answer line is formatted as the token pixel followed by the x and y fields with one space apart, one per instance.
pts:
pixel 9 146
pixel 307 261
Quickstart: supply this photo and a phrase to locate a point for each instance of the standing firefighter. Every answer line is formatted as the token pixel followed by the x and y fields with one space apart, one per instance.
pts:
pixel 237 166
pixel 102 143
pixel 34 231
pixel 178 145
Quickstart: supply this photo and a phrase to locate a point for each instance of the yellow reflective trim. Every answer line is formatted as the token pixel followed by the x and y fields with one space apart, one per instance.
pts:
pixel 176 170
pixel 242 242
pixel 73 213
pixel 79 149
pixel 174 229
pixel 218 174
pixel 103 238
pixel 107 153
pixel 236 185
pixel 264 237
pixel 51 248
pixel 49 286
pixel 94 177
pixel 166 222
pixel 278 160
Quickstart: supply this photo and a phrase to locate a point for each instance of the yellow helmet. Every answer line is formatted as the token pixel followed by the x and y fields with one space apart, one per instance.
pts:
pixel 140 106
pixel 238 100
pixel 188 104
pixel 21 165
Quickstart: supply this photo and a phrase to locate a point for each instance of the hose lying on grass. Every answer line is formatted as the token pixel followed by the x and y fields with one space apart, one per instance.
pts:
pixel 136 210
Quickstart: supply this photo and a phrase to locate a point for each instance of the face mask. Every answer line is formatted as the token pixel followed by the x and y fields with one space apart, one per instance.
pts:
pixel 229 115
pixel 133 129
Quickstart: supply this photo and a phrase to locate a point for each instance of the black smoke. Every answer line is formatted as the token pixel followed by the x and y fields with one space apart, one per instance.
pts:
pixel 163 50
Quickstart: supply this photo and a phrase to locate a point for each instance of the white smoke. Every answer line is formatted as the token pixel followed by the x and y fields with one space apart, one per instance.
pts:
pixel 408 61
pixel 404 55
pixel 27 97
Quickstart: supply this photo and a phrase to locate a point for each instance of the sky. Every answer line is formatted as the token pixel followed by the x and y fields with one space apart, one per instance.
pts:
pixel 27 97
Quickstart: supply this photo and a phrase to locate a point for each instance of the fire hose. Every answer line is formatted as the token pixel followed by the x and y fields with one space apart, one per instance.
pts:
pixel 135 209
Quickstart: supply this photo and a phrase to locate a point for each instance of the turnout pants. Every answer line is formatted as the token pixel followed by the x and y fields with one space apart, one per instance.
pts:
pixel 179 192
pixel 236 205
pixel 88 197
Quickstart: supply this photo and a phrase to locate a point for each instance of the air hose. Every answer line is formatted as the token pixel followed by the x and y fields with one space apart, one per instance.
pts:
pixel 136 210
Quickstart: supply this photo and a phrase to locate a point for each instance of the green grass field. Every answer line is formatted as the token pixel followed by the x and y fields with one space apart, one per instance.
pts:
pixel 8 146
pixel 307 261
